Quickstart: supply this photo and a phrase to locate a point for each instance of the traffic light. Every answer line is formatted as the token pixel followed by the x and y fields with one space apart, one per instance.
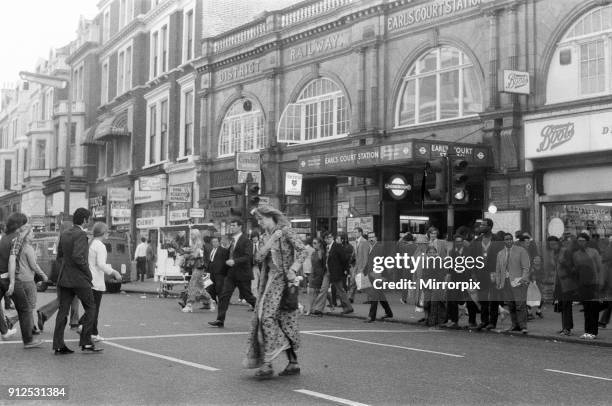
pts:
pixel 434 190
pixel 459 181
pixel 238 210
pixel 253 194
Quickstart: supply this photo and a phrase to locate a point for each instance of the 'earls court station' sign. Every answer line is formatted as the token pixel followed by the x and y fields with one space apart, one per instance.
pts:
pixel 428 12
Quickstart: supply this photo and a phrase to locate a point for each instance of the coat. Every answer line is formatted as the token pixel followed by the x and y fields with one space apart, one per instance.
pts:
pixel 518 265
pixel 217 264
pixel 374 295
pixel 317 270
pixel 362 252
pixel 588 269
pixel 73 256
pixel 243 260
pixel 336 262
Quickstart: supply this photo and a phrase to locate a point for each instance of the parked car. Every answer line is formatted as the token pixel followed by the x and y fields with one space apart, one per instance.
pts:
pixel 117 246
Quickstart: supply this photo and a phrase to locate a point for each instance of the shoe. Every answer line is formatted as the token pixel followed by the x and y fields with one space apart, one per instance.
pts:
pixel 317 313
pixel 79 329
pixel 216 323
pixel 481 326
pixel 251 309
pixel 524 331
pixel 11 332
pixel 182 304
pixel 62 351
pixel 539 314
pixel 205 307
pixel 451 324
pixel 264 372
pixel 348 311
pixel 423 320
pixel 490 327
pixel 602 325
pixel 74 326
pixel 472 326
pixel 97 338
pixel 187 309
pixel 388 316
pixel 33 344
pixel 41 320
pixel 369 321
pixel 587 336
pixel 515 328
pixel 91 349
pixel 35 332
pixel 565 332
pixel 291 369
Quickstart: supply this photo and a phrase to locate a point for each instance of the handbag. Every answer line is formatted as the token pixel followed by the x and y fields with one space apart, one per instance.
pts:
pixel 289 300
pixel 362 281
pixel 533 295
pixel 206 281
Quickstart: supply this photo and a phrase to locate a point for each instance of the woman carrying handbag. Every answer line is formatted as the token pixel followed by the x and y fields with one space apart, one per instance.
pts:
pixel 274 327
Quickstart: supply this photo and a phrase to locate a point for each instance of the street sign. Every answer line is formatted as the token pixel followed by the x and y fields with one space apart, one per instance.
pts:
pixel 398 187
pixel 248 161
pixel 196 213
pixel 150 222
pixel 53 81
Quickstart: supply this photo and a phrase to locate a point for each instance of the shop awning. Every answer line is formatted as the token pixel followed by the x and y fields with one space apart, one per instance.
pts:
pixel 88 137
pixel 112 126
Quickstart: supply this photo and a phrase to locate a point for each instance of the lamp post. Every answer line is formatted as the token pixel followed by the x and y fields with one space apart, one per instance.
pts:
pixel 59 83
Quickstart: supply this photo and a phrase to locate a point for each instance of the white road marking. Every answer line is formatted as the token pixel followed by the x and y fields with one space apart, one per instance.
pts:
pixel 329 397
pixel 389 345
pixel 372 331
pixel 575 374
pixel 164 357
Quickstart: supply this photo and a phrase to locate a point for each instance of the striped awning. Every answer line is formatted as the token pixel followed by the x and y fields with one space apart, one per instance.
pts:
pixel 112 126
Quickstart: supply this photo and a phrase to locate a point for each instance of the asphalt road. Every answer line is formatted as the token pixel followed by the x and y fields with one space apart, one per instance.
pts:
pixel 155 354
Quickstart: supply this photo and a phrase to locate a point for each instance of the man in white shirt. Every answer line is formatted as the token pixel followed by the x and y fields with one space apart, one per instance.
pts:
pixel 140 256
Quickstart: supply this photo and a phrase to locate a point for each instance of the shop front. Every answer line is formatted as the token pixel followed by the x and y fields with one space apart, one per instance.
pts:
pixel 379 186
pixel 570 155
pixel 149 196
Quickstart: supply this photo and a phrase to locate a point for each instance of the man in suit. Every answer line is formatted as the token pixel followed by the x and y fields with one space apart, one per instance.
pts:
pixel 485 247
pixel 512 279
pixel 336 263
pixel 74 280
pixel 456 296
pixel 375 295
pixel 239 274
pixel 362 249
pixel 217 268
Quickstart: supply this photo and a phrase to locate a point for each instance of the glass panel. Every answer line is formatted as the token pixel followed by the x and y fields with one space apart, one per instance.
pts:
pixel 408 98
pixel 606 17
pixel 449 57
pixel 342 116
pixel 311 121
pixel 327 118
pixel 579 30
pixel 427 99
pixel 449 94
pixel 596 21
pixel 235 131
pixel 472 97
pixel 249 134
pixel 428 63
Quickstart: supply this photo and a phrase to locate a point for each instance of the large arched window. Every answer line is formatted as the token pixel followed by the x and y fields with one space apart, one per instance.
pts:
pixel 441 85
pixel 242 128
pixel 320 112
pixel 582 63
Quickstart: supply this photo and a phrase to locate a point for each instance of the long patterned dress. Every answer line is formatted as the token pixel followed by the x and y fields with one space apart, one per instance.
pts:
pixel 274 330
pixel 196 290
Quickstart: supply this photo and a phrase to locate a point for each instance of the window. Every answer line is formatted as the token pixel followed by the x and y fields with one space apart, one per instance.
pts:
pixel 120 72
pixel 152 134
pixel 102 161
pixel 128 69
pixel 320 112
pixel 188 35
pixel 121 158
pixel 35 112
pixel 13 132
pixel 8 164
pixel 25 160
pixel 105 82
pixel 242 128
pixel 164 130
pixel 124 70
pixel 441 85
pixel 187 130
pixel 106 26
pixel 77 84
pixel 73 146
pixel 126 12
pixel 40 161
pixel 164 49
pixel 154 53
pixel 581 66
pixel 49 105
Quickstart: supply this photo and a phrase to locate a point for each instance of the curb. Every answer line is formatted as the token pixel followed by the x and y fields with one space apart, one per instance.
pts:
pixel 512 334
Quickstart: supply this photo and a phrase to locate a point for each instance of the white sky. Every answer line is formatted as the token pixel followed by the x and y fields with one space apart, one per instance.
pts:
pixel 30 28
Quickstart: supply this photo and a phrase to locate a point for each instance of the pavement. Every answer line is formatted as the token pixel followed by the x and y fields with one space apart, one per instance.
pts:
pixel 545 328
pixel 156 355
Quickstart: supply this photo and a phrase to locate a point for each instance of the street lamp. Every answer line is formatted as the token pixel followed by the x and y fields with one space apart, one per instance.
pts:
pixel 59 83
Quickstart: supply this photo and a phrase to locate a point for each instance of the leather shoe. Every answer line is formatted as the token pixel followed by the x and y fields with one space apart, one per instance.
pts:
pixel 63 350
pixel 387 316
pixel 348 311
pixel 291 369
pixel 369 321
pixel 216 323
pixel 41 320
pixel 91 349
pixel 481 326
pixel 490 327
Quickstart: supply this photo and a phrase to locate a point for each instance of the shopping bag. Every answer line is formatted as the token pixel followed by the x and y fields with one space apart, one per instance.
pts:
pixel 206 280
pixel 533 295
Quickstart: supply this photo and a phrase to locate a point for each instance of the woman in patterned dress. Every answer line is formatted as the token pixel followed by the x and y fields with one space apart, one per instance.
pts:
pixel 274 330
pixel 196 290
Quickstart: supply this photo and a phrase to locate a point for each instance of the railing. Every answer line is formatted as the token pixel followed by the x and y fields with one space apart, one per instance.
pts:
pixel 238 37
pixel 62 107
pixel 311 10
pixel 40 125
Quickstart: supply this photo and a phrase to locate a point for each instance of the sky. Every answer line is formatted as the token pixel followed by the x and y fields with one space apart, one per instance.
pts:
pixel 30 28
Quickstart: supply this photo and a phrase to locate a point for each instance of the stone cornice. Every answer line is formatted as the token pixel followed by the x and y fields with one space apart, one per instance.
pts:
pixel 81 51
pixel 125 33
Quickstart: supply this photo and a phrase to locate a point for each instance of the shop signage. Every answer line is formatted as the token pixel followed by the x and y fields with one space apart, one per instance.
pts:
pixel 428 12
pixel 196 213
pixel 120 212
pixel 248 161
pixel 242 176
pixel 150 222
pixel 238 72
pixel 319 46
pixel 366 224
pixel 98 206
pixel 398 187
pixel 37 221
pixel 222 179
pixel 293 184
pixel 149 183
pixel 146 196
pixel 567 135
pixel 516 82
pixel 118 194
pixel 178 215
pixel 220 207
pixel 180 193
pixel 476 155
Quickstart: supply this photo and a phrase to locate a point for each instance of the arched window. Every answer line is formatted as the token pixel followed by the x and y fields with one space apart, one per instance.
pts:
pixel 242 128
pixel 320 112
pixel 582 64
pixel 441 85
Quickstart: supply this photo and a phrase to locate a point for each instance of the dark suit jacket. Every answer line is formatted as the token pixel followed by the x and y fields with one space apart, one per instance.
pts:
pixel 336 262
pixel 459 275
pixel 490 260
pixel 217 265
pixel 243 260
pixel 73 254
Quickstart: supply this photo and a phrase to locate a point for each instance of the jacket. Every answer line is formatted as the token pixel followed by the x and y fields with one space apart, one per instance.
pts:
pixel 217 265
pixel 362 252
pixel 243 260
pixel 73 254
pixel 317 270
pixel 336 262
pixel 517 264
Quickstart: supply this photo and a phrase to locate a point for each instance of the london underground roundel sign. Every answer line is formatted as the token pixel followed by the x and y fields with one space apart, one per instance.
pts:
pixel 398 187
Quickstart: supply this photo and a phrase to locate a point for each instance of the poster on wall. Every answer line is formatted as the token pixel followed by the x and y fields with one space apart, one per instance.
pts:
pixel 366 223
